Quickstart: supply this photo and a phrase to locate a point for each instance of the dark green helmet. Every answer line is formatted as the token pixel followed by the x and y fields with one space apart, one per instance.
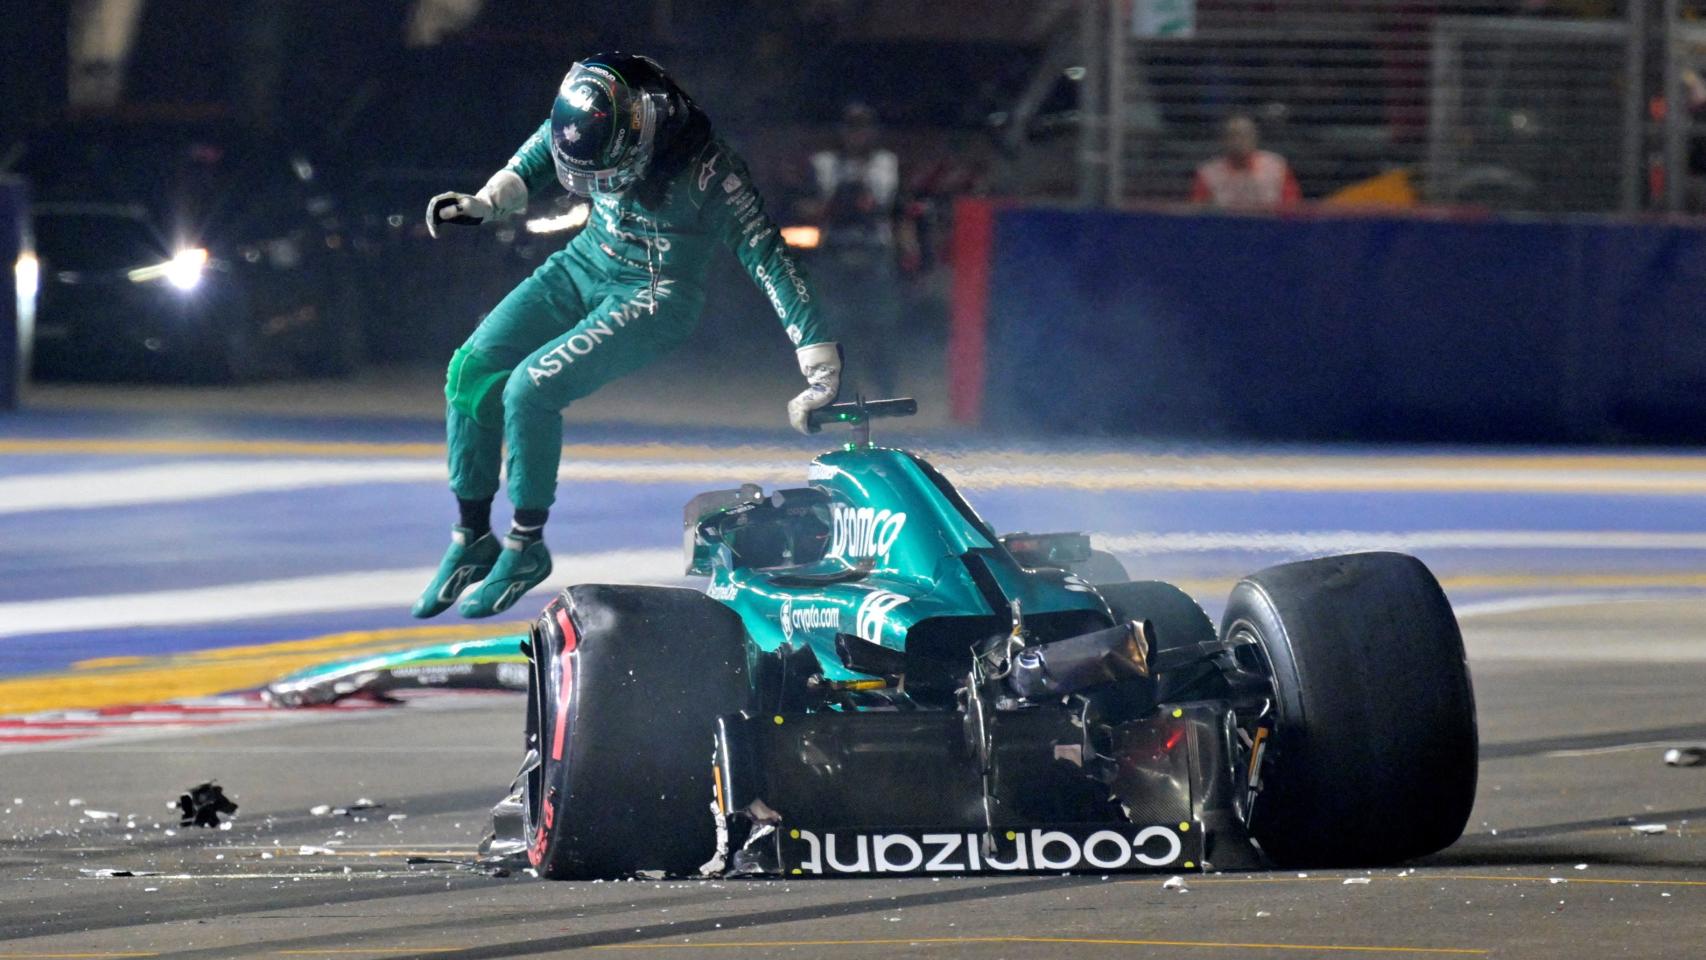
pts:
pixel 606 123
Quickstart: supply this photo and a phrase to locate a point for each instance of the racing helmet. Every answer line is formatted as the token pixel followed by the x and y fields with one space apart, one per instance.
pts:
pixel 607 122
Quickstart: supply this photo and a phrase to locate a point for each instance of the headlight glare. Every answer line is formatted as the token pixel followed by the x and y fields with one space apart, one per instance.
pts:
pixel 183 271
pixel 576 217
pixel 26 273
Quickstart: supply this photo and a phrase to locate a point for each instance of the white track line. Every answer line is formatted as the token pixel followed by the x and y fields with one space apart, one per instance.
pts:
pixel 169 482
pixel 198 479
pixel 1615 748
pixel 1557 601
pixel 374 589
pixel 1348 541
pixel 361 590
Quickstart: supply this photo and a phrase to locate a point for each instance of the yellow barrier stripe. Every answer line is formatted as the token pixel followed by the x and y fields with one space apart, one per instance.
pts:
pixel 438 633
pixel 1092 941
pixel 207 672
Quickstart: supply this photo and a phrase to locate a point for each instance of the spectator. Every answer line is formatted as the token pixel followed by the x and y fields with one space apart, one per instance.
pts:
pixel 1244 177
pixel 863 244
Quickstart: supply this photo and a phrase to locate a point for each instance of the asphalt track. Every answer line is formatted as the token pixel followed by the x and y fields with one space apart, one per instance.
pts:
pixel 148 561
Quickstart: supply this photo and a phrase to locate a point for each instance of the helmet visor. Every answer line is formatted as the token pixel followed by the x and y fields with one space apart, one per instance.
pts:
pixel 602 131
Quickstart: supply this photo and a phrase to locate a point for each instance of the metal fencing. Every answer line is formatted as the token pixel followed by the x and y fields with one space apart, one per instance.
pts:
pixel 1554 106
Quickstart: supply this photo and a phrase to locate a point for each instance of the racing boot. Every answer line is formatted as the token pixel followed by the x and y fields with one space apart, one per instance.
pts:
pixel 468 560
pixel 523 564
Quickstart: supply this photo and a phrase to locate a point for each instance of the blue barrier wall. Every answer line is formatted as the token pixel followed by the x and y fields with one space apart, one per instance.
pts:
pixel 13 211
pixel 1346 327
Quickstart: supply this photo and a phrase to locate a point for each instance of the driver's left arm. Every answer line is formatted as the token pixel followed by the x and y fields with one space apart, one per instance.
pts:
pixel 721 186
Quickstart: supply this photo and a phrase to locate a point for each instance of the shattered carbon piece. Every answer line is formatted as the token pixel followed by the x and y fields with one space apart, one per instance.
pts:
pixel 495 867
pixel 202 805
pixel 506 838
pixel 326 809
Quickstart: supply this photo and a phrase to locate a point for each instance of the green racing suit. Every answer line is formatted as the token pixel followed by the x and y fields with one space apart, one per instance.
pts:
pixel 624 292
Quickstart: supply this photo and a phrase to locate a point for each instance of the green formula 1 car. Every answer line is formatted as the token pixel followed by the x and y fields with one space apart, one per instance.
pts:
pixel 875 682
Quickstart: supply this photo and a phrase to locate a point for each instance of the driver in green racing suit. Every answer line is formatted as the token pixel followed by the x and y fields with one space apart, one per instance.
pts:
pixel 665 192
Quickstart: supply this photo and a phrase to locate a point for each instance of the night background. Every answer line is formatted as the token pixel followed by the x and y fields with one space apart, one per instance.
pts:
pixel 1298 538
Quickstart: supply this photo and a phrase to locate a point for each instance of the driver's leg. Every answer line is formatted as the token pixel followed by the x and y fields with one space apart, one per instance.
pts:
pixel 537 310
pixel 627 330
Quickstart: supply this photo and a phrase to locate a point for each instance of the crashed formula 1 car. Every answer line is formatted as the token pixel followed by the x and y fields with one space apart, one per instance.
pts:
pixel 875 682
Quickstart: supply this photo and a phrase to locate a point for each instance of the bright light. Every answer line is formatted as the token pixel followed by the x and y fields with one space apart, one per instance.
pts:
pixel 183 271
pixel 27 273
pixel 806 238
pixel 574 218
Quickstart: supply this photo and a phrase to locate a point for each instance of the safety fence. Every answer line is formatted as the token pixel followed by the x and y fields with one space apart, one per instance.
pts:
pixel 1328 326
pixel 1523 105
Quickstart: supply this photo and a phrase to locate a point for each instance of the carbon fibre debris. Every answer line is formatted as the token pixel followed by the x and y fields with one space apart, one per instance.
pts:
pixel 202 805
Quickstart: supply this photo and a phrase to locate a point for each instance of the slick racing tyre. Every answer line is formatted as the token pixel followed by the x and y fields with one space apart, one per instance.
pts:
pixel 1373 755
pixel 1178 622
pixel 627 685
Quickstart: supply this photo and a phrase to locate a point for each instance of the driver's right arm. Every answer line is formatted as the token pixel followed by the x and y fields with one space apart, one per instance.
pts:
pixel 532 162
pixel 505 194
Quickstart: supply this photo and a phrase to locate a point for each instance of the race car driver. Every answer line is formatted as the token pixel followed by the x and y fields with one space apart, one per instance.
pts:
pixel 665 192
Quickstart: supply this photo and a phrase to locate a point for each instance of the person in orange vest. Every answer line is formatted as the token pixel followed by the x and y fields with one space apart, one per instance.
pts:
pixel 1244 177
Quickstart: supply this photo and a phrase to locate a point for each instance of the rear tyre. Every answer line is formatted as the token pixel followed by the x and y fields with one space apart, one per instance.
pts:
pixel 626 688
pixel 1373 756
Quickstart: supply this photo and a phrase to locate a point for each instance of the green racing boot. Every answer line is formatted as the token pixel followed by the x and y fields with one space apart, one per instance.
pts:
pixel 467 561
pixel 522 565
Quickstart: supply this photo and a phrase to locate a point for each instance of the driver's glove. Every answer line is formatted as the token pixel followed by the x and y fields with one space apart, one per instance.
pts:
pixel 504 194
pixel 821 365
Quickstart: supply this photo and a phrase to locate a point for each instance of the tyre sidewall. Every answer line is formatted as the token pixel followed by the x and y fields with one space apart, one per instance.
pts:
pixel 634 678
pixel 1374 751
pixel 551 697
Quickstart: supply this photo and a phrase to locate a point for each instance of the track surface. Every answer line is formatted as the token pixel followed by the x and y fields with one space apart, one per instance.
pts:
pixel 136 554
